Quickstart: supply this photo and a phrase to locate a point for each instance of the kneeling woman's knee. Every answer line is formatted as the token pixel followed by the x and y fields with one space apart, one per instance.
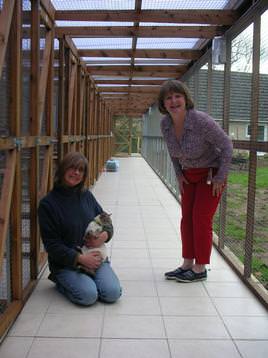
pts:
pixel 110 294
pixel 87 297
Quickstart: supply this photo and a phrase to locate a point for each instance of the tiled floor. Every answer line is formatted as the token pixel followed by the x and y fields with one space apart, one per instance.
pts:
pixel 154 318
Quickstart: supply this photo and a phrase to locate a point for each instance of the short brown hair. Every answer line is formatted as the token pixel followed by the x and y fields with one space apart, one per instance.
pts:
pixel 174 86
pixel 71 160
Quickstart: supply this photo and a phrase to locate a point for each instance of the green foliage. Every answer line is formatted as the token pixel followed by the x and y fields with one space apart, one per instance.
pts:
pixel 241 178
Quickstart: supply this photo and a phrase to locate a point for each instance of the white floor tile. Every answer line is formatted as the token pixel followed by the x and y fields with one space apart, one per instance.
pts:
pixel 136 274
pixel 187 306
pixel 170 288
pixel 203 349
pixel 138 288
pixel 71 325
pixel 133 327
pixel 239 307
pixel 134 348
pixel 253 349
pixel 64 348
pixel 15 347
pixel 247 327
pixel 195 328
pixel 27 324
pixel 135 306
pixel 227 289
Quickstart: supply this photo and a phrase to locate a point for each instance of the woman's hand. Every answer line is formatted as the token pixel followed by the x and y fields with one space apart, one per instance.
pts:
pixel 182 180
pixel 91 260
pixel 217 188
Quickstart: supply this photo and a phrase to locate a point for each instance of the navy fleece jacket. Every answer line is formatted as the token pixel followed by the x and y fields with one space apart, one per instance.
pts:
pixel 64 214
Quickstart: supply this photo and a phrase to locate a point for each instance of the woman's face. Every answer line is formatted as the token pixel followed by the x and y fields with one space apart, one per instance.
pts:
pixel 175 102
pixel 73 176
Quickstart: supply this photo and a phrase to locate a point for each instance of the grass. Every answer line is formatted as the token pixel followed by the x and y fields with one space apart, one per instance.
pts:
pixel 236 219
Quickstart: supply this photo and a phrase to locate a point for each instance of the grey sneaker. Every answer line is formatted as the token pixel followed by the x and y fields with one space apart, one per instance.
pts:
pixel 191 276
pixel 172 275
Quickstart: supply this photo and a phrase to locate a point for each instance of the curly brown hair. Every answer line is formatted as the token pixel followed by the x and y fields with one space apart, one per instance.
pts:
pixel 174 86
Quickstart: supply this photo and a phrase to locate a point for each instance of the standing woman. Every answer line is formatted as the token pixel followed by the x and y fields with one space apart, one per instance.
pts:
pixel 201 153
pixel 64 214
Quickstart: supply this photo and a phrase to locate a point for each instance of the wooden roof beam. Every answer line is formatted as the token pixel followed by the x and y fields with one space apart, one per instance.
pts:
pixel 141 69
pixel 189 16
pixel 160 53
pixel 207 32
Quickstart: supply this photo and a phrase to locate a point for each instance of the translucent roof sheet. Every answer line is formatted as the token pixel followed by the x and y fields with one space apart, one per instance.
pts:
pixel 107 44
pixel 159 61
pixel 93 23
pixel 148 78
pixel 166 43
pixel 94 4
pixel 103 43
pixel 106 59
pixel 108 78
pixel 168 24
pixel 112 85
pixel 183 4
pixel 103 61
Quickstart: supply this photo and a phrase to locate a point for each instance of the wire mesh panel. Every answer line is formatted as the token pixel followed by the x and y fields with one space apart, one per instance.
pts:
pixel 55 88
pixel 202 89
pixel 26 70
pixel 190 84
pixel 263 83
pixel 217 92
pixel 240 84
pixel 260 241
pixel 5 278
pixel 25 215
pixel 5 292
pixel 236 211
pixel 42 45
pixel 5 98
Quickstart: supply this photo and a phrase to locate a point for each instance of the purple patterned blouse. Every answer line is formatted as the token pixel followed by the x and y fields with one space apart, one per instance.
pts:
pixel 203 144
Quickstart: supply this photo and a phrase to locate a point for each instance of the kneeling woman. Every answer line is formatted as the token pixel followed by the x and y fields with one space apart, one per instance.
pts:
pixel 64 214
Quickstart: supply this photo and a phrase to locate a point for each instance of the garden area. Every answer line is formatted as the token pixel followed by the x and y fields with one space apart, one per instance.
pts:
pixel 235 230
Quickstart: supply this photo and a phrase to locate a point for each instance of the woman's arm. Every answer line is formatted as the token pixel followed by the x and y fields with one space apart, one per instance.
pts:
pixel 50 230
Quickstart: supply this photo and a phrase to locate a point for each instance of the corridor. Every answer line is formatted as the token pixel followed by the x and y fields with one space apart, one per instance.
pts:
pixel 154 318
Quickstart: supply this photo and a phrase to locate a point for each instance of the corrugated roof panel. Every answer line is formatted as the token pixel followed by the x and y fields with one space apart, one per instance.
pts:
pixel 112 85
pixel 103 43
pixel 166 43
pixel 148 78
pixel 183 4
pixel 93 23
pixel 94 4
pixel 168 24
pixel 159 61
pixel 108 78
pixel 100 61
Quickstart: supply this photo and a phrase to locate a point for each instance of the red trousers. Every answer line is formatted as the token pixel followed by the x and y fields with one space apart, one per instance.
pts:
pixel 198 209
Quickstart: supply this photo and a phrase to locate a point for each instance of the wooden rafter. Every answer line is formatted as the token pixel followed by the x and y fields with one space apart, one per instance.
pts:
pixel 44 75
pixel 216 17
pixel 207 32
pixel 175 54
